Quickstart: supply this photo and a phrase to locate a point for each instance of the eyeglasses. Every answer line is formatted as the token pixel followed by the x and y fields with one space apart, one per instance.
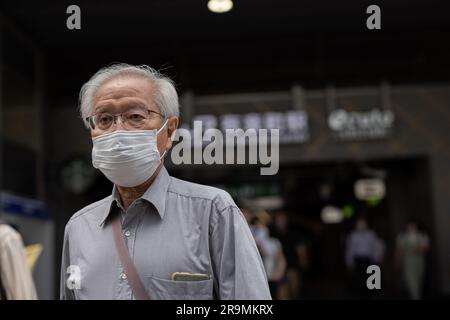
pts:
pixel 135 118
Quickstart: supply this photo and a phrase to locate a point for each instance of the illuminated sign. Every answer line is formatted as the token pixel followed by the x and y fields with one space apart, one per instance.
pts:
pixel 367 189
pixel 17 205
pixel 292 125
pixel 354 125
pixel 331 215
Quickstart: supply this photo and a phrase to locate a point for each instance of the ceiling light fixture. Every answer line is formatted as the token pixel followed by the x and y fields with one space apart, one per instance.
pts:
pixel 220 6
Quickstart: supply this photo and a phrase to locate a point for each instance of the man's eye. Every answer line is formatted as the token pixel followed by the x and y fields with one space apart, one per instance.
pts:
pixel 135 117
pixel 104 118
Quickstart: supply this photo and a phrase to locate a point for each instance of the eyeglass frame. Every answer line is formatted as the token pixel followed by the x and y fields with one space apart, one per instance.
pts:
pixel 116 115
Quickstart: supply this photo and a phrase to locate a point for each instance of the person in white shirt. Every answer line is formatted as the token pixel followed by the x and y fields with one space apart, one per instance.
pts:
pixel 271 251
pixel 412 246
pixel 16 281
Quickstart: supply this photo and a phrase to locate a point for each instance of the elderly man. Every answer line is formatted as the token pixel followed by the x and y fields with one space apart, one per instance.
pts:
pixel 155 237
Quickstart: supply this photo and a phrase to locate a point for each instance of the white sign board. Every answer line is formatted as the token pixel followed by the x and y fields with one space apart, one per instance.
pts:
pixel 366 189
pixel 359 125
pixel 331 215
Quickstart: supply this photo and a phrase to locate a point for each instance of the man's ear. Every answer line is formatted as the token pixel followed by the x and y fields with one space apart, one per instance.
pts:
pixel 172 126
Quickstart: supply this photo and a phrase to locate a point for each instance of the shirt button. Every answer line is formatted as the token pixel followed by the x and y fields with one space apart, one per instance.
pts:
pixel 123 276
pixel 127 233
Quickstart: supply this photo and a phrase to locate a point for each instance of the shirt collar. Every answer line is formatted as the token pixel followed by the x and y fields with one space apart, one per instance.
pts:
pixel 155 194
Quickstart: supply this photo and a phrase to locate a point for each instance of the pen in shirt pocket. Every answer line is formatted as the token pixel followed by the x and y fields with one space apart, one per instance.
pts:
pixel 188 276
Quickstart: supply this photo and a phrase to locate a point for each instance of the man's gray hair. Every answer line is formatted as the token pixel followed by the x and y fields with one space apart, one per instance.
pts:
pixel 166 97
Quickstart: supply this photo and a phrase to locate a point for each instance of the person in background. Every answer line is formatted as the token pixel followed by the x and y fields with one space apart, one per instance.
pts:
pixel 412 246
pixel 16 281
pixel 271 251
pixel 302 250
pixel 249 217
pixel 289 289
pixel 363 248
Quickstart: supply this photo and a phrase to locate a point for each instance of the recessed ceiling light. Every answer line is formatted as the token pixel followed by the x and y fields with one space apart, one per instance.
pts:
pixel 220 6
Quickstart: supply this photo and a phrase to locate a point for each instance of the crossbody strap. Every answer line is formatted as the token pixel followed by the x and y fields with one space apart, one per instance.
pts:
pixel 127 263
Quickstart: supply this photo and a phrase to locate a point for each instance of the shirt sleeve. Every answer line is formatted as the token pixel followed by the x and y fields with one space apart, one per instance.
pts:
pixel 65 292
pixel 16 275
pixel 238 268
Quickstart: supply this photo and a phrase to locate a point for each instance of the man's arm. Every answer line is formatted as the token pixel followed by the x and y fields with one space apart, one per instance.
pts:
pixel 238 269
pixel 65 292
pixel 16 275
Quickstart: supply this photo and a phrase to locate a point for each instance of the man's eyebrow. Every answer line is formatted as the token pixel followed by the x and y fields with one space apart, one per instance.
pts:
pixel 133 104
pixel 100 108
pixel 128 105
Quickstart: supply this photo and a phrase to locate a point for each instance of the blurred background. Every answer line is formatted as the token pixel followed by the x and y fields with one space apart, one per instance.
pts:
pixel 363 116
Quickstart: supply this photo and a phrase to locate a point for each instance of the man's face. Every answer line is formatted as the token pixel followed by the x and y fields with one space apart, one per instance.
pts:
pixel 281 221
pixel 361 224
pixel 121 94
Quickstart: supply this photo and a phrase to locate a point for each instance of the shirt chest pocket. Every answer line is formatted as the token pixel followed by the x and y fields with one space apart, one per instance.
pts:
pixel 161 289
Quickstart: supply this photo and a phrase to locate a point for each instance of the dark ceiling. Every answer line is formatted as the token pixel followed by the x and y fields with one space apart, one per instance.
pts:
pixel 172 21
pixel 259 45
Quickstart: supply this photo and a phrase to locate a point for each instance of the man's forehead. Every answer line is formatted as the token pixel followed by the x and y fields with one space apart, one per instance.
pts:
pixel 123 88
pixel 135 84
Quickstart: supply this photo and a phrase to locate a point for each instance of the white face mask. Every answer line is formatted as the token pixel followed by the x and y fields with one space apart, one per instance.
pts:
pixel 127 158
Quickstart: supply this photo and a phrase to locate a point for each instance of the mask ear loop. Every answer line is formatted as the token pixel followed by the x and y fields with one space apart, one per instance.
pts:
pixel 165 151
pixel 162 126
pixel 171 138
